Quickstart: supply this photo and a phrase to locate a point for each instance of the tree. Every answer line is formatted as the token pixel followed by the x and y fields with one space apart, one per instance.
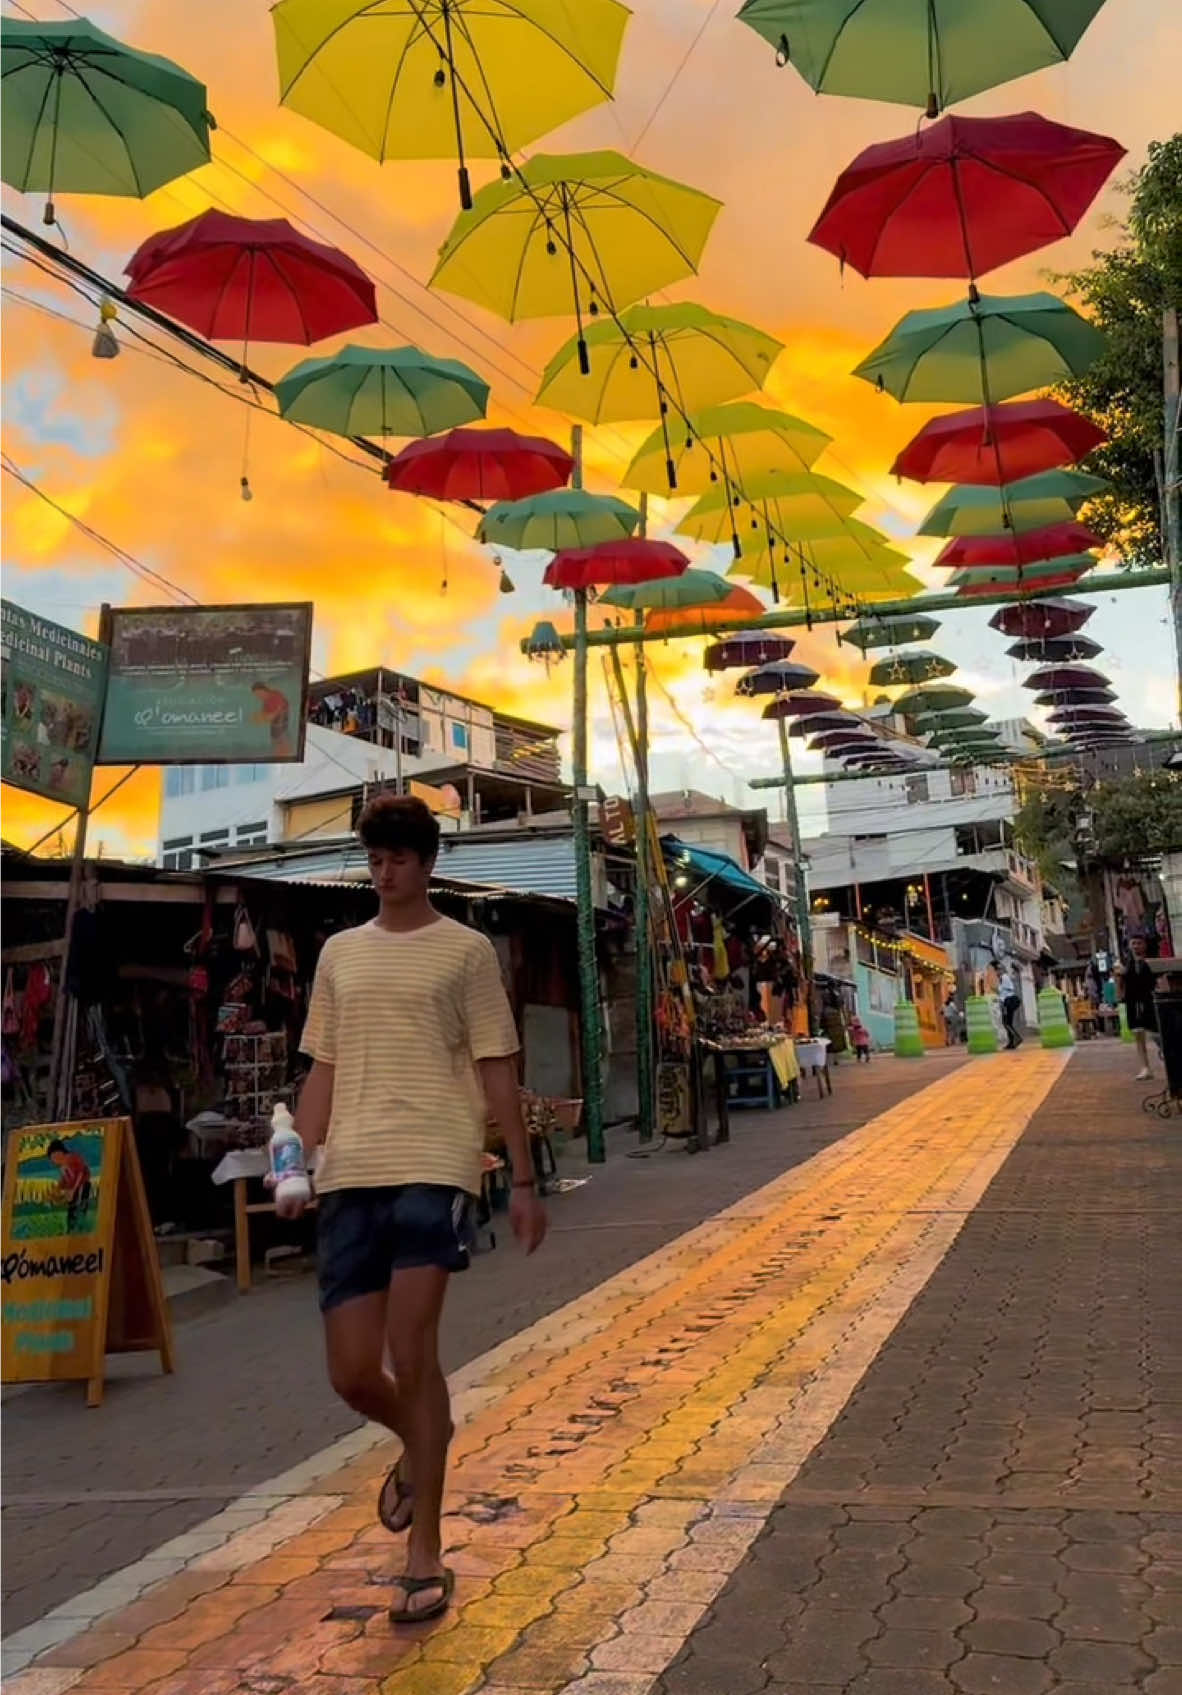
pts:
pixel 1125 292
pixel 1125 819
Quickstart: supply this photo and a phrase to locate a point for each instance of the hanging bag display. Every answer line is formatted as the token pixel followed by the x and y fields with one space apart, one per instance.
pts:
pixel 245 940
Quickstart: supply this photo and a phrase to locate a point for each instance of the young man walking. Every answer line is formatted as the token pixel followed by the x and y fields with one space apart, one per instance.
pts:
pixel 412 1040
pixel 1011 1006
pixel 1140 1013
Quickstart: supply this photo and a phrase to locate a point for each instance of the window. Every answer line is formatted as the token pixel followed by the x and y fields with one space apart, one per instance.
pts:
pixel 179 780
pixel 215 776
pixel 917 789
pixel 963 781
pixel 214 838
pixel 459 735
pixel 251 835
pixel 250 773
pixel 178 853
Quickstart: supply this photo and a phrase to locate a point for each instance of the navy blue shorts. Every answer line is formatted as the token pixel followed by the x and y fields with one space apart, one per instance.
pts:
pixel 364 1236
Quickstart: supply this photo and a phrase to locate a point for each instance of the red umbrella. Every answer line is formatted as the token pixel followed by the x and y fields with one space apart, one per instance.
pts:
pixel 837 742
pixel 1075 697
pixel 1053 541
pixel 746 648
pixel 610 563
pixel 251 279
pixel 1035 618
pixel 963 195
pixel 479 465
pixel 1066 677
pixel 998 444
pixel 1077 716
pixel 803 704
pixel 1051 650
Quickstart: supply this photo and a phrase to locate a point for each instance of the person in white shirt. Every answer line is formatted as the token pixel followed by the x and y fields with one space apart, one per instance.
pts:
pixel 1011 1004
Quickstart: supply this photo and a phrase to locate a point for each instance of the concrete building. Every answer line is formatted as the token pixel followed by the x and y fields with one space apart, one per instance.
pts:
pixel 365 728
pixel 931 853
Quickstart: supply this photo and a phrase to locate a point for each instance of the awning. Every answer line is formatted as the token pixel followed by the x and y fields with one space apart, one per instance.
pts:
pixel 702 866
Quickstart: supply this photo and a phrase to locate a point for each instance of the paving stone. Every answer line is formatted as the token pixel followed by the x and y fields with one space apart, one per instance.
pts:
pixel 1110 1662
pixel 1105 1622
pixel 925 1612
pixel 1015 1601
pixel 931 1650
pixel 1000 1674
pixel 1028 1639
pixel 885 1680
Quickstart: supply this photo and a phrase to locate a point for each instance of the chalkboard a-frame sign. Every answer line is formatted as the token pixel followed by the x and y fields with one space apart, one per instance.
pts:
pixel 81 1276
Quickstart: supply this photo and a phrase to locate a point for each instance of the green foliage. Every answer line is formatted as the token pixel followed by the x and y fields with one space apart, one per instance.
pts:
pixel 1130 817
pixel 1125 291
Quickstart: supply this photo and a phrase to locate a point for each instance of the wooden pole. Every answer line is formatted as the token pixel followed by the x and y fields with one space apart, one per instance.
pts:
pixel 927 895
pixel 592 1047
pixel 1171 490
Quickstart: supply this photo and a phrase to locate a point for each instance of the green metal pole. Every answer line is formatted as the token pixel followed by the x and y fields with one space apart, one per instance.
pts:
pixel 644 952
pixel 584 893
pixel 784 618
pixel 804 924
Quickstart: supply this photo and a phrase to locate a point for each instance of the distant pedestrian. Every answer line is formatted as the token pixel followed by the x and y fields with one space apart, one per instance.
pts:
pixel 860 1037
pixel 1139 1008
pixel 951 1022
pixel 1011 1005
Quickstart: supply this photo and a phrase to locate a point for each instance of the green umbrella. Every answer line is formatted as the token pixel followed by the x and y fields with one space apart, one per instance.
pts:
pixel 910 668
pixel 692 588
pixel 929 54
pixel 973 735
pixel 938 697
pixel 563 517
pixel 83 114
pixel 871 632
pixel 979 352
pixel 1025 577
pixel 981 509
pixel 381 391
pixel 960 718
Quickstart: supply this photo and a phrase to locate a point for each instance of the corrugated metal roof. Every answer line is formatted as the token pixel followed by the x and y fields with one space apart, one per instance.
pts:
pixel 531 865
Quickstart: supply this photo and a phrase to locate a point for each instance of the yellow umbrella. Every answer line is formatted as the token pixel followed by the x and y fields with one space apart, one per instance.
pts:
pixel 580 230
pixel 778 505
pixel 727 446
pixel 417 79
pixel 658 361
pixel 802 580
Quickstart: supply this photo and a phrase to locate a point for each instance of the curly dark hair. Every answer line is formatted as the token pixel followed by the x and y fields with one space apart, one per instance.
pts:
pixel 400 823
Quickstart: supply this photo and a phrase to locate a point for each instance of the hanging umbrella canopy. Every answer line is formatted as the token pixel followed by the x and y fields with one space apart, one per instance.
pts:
pixel 998 444
pixel 1032 579
pixel 874 632
pixel 993 347
pixel 965 734
pixel 747 648
pixel 667 594
pixel 723 447
pixel 804 704
pixel 381 391
pixel 782 676
pixel 774 507
pixel 1100 712
pixel 1036 619
pixel 609 563
pixel 963 196
pixel 701 620
pixel 933 697
pixel 479 465
pixel 929 56
pixel 973 509
pixel 815 724
pixel 250 279
pixel 85 114
pixel 836 743
pixel 909 668
pixel 477 79
pixel 939 723
pixel 798 582
pixel 1051 541
pixel 655 357
pixel 560 518
pixel 1053 650
pixel 1076 697
pixel 630 232
pixel 1066 677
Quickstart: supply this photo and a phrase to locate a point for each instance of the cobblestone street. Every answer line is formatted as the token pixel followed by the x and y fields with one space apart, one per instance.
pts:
pixel 901 1416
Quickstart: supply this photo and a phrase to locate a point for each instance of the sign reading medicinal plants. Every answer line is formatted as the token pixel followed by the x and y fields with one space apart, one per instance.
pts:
pixel 53 681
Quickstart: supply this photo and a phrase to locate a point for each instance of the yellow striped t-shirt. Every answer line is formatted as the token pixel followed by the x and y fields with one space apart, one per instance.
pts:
pixel 402 1016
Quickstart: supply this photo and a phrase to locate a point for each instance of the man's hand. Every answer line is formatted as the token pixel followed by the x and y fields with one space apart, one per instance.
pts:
pixel 291 1207
pixel 527 1216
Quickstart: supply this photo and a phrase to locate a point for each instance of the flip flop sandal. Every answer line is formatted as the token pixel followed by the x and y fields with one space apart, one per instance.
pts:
pixel 396 1507
pixel 445 1582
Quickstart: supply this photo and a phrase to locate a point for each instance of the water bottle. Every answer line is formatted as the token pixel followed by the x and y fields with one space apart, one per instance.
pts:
pixel 289 1168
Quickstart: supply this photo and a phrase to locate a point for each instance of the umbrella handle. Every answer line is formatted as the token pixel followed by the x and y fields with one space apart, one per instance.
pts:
pixel 465 188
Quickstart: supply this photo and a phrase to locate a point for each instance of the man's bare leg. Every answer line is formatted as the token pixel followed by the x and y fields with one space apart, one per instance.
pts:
pixel 424 1413
pixel 355 1344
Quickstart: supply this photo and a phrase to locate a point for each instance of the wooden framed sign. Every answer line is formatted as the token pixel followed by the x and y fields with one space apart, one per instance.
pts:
pixel 81 1276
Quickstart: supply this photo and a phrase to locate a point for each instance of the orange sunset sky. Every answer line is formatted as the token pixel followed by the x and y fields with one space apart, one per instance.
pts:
pixel 151 458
